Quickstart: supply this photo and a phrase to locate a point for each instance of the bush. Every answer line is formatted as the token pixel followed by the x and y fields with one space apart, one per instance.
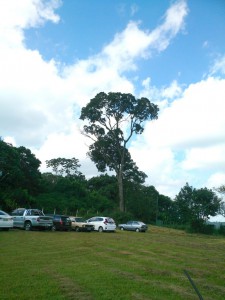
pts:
pixel 221 230
pixel 199 226
pixel 121 217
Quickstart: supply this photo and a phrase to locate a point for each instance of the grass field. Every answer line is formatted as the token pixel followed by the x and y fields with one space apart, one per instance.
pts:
pixel 108 266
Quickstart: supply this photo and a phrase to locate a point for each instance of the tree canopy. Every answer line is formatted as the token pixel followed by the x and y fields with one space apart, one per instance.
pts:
pixel 196 204
pixel 20 175
pixel 64 166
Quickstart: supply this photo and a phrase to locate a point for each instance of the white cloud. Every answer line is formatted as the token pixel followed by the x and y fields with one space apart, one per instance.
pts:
pixel 173 91
pixel 218 66
pixel 134 9
pixel 40 105
pixel 15 16
pixel 216 180
pixel 134 43
pixel 188 137
pixel 205 158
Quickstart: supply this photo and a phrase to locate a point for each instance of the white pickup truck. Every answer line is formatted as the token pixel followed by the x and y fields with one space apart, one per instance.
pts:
pixel 30 219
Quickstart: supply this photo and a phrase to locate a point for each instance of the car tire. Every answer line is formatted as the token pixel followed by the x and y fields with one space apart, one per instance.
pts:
pixel 100 229
pixel 121 228
pixel 137 230
pixel 77 229
pixel 53 228
pixel 28 226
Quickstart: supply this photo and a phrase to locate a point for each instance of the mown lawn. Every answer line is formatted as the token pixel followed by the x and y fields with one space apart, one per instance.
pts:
pixel 121 266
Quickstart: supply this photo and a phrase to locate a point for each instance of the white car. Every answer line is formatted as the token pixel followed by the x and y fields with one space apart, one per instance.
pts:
pixel 102 224
pixel 6 221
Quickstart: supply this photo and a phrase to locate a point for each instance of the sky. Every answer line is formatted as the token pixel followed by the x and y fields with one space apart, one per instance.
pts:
pixel 56 55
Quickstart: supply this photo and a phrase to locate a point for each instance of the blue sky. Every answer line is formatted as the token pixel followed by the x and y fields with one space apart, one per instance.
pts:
pixel 86 26
pixel 56 55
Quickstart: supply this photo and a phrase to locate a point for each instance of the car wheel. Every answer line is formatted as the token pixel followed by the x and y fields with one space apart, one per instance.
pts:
pixel 53 228
pixel 28 226
pixel 77 229
pixel 121 228
pixel 137 230
pixel 100 229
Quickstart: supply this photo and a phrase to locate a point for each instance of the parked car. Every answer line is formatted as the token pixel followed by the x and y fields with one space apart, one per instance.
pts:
pixel 79 224
pixel 134 226
pixel 102 224
pixel 6 221
pixel 29 219
pixel 60 222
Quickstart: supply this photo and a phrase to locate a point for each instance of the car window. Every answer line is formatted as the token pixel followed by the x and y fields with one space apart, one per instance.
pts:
pixel 18 212
pixel 110 220
pixel 28 213
pixel 99 219
pixel 79 220
pixel 2 214
pixel 37 212
pixel 93 220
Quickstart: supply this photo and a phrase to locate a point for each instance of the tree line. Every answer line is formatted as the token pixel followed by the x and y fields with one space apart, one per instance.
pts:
pixel 66 190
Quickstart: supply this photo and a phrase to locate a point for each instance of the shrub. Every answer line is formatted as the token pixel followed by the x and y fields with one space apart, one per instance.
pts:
pixel 199 226
pixel 221 230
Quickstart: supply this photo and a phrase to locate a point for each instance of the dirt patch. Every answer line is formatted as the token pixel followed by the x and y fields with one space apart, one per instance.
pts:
pixel 69 287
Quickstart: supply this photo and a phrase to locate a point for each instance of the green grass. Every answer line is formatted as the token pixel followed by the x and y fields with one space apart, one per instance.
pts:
pixel 107 266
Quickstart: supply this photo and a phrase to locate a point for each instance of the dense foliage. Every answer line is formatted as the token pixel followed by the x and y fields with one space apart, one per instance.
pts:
pixel 20 176
pixel 66 190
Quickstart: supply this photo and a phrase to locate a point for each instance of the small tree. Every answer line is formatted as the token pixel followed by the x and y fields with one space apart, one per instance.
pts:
pixel 112 119
pixel 63 166
pixel 196 205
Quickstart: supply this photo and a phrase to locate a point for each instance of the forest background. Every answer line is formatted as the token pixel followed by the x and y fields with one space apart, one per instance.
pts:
pixel 65 190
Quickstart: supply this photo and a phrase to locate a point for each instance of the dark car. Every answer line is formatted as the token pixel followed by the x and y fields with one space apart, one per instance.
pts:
pixel 60 222
pixel 134 226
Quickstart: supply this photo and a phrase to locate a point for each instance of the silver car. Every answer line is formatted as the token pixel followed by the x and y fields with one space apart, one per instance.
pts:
pixel 134 226
pixel 6 221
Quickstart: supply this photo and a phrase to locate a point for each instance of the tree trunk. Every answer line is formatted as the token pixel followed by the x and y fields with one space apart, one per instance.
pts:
pixel 120 186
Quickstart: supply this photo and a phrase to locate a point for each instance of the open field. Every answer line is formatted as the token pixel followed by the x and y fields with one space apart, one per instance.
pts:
pixel 120 266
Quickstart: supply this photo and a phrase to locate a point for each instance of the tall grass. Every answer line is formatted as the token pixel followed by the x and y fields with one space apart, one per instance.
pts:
pixel 108 266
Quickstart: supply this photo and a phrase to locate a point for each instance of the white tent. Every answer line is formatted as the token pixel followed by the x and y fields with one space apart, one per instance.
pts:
pixel 217 218
pixel 216 221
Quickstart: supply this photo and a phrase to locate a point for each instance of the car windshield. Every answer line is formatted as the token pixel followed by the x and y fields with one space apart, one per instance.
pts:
pixel 64 218
pixel 80 220
pixel 3 213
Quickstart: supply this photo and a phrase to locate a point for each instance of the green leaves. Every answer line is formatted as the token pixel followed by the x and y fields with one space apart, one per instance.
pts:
pixel 113 110
pixel 196 204
pixel 20 178
pixel 64 166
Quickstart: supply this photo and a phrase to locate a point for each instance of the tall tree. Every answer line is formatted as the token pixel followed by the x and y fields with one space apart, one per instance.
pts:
pixel 112 120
